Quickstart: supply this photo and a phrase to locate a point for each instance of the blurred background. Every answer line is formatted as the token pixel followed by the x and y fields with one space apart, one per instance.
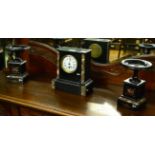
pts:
pixel 117 48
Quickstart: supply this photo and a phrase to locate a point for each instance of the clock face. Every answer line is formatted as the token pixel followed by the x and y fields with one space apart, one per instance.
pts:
pixel 69 64
pixel 96 50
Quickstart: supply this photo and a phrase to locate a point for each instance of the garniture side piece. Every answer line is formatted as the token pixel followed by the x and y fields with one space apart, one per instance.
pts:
pixel 16 65
pixel 134 88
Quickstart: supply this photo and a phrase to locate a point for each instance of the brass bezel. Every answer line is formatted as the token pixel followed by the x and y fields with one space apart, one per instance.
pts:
pixel 98 49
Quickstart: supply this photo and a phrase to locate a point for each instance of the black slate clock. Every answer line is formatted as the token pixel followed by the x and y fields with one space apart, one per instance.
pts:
pixel 99 49
pixel 73 71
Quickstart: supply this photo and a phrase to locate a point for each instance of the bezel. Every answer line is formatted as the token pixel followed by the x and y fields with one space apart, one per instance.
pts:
pixel 65 69
pixel 97 52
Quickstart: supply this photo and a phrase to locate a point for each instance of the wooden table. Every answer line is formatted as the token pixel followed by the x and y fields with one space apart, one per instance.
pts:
pixel 38 98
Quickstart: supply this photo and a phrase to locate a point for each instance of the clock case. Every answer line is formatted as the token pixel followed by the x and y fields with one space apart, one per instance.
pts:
pixel 78 82
pixel 104 44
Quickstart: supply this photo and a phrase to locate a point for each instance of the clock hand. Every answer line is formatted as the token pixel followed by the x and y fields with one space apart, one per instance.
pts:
pixel 69 65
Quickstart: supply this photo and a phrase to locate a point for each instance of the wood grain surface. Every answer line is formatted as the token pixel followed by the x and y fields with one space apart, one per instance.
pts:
pixel 40 96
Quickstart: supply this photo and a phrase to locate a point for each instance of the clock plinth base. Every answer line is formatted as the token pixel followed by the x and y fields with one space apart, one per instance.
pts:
pixel 131 103
pixel 73 87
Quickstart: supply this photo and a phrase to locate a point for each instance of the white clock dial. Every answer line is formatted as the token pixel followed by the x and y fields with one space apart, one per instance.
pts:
pixel 69 64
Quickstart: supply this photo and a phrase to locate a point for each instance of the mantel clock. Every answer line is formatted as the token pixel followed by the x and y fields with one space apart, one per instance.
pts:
pixel 73 71
pixel 99 49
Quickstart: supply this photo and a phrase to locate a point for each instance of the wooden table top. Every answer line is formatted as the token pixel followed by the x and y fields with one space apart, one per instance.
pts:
pixel 40 96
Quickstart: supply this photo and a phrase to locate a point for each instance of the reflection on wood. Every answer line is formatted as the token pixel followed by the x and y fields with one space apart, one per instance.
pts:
pixel 37 98
pixel 43 63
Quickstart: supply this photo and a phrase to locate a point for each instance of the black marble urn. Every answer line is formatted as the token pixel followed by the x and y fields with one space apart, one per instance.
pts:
pixel 134 88
pixel 16 65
